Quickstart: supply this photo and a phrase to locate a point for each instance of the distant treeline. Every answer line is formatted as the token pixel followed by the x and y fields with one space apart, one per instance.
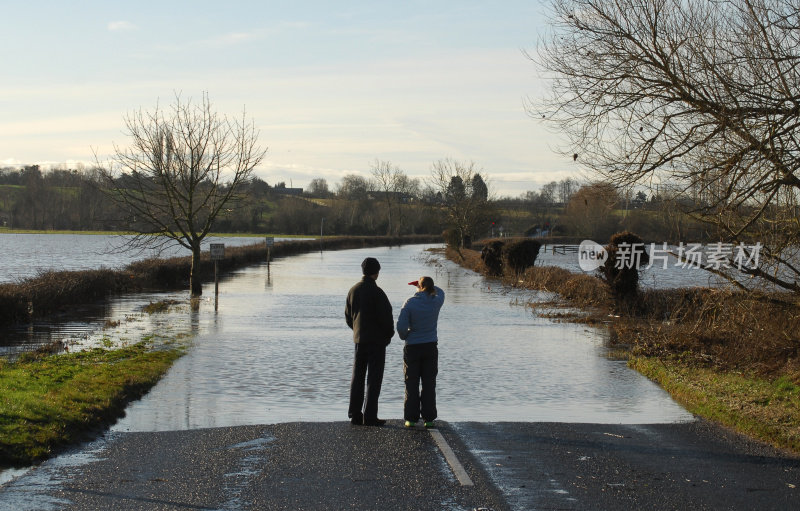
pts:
pixel 72 199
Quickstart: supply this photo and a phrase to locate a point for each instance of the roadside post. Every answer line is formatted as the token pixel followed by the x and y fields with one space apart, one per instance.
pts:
pixel 217 253
pixel 270 242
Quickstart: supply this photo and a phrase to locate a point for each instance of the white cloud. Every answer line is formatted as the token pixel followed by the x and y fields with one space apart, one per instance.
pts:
pixel 121 26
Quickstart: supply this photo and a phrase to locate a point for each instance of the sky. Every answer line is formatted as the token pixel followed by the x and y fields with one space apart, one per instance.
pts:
pixel 332 86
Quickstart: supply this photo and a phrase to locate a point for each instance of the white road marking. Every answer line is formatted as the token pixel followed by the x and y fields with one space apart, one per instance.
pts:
pixel 452 460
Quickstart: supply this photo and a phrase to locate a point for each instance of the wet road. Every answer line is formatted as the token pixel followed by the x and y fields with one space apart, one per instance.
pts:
pixel 322 466
pixel 694 465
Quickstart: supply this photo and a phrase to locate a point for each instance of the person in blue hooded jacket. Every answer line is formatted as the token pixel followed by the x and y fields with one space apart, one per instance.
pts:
pixel 417 326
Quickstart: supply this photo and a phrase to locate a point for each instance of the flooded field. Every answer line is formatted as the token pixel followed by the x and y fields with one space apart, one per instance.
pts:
pixel 25 255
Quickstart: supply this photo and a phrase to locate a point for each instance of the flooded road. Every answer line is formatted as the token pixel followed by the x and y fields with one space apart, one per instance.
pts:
pixel 534 409
pixel 278 350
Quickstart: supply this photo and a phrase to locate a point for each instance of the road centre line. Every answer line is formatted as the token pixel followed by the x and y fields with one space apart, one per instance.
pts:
pixel 452 460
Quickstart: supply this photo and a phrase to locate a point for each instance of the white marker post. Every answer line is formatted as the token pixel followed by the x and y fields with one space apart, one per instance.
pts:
pixel 270 242
pixel 217 251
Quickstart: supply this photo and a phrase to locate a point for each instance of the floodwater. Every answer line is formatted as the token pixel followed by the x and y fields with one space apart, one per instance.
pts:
pixel 278 350
pixel 26 255
pixel 656 276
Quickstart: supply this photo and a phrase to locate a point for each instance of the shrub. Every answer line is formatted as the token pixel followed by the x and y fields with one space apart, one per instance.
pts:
pixel 492 257
pixel 519 255
pixel 452 238
pixel 621 269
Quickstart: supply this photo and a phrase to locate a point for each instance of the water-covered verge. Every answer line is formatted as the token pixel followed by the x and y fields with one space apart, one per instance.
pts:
pixel 61 291
pixel 728 355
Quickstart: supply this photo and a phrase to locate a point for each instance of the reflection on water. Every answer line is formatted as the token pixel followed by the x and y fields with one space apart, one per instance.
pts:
pixel 278 350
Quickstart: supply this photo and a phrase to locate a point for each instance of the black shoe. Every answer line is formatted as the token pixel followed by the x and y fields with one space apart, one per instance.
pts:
pixel 374 422
pixel 358 420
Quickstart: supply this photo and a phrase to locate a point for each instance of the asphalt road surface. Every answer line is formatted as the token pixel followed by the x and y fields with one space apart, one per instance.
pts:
pixel 503 466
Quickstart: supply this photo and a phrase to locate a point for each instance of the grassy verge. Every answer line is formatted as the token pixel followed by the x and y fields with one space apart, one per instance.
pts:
pixel 763 408
pixel 50 401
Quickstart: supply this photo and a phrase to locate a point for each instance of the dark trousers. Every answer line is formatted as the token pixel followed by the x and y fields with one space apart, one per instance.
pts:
pixel 367 365
pixel 420 364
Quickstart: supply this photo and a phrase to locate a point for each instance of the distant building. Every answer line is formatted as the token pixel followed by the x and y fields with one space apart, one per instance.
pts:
pixel 288 191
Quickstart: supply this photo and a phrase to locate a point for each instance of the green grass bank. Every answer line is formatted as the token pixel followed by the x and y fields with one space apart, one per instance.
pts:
pixel 48 402
pixel 761 407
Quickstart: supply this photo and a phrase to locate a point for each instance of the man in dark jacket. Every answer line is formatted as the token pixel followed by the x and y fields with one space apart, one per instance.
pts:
pixel 369 314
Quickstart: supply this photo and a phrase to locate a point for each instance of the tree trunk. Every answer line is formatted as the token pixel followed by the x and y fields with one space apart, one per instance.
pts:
pixel 195 284
pixel 389 213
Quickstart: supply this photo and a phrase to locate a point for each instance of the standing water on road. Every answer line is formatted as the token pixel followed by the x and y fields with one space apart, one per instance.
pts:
pixel 278 350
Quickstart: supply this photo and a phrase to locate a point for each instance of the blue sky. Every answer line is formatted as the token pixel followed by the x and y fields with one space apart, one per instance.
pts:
pixel 331 86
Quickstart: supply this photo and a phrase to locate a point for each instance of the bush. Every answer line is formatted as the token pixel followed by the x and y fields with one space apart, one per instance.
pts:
pixel 519 255
pixel 452 239
pixel 621 269
pixel 492 257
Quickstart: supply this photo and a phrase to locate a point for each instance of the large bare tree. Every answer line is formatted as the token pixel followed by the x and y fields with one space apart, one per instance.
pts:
pixel 699 93
pixel 183 167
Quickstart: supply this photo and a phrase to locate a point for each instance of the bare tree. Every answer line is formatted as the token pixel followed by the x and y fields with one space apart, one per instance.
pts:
pixel 387 179
pixel 318 187
pixel 566 189
pixel 589 210
pixel 548 193
pixel 354 189
pixel 699 93
pixel 408 190
pixel 466 206
pixel 183 167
